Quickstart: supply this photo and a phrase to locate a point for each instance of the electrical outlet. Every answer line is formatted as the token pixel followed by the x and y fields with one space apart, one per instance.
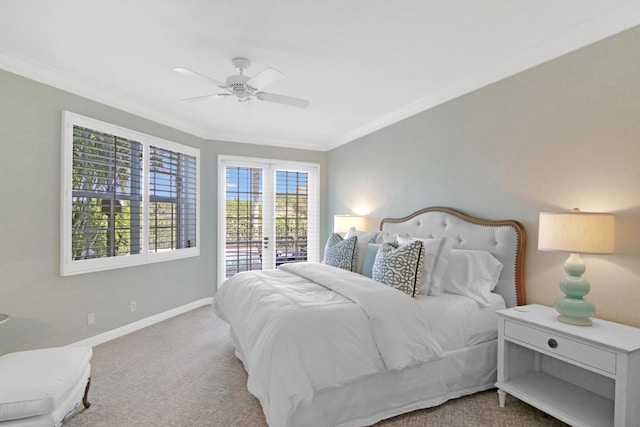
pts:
pixel 132 306
pixel 91 318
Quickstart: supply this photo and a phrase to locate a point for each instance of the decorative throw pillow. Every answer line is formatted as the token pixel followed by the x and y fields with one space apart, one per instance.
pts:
pixel 341 253
pixel 400 268
pixel 437 252
pixel 364 237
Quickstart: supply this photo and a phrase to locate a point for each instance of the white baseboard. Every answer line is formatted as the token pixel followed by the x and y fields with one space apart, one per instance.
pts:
pixel 132 327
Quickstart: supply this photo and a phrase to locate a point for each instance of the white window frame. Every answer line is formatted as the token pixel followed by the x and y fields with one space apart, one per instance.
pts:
pixel 313 242
pixel 69 266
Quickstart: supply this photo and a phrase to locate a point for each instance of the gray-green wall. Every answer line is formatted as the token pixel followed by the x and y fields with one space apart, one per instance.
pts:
pixel 561 135
pixel 47 309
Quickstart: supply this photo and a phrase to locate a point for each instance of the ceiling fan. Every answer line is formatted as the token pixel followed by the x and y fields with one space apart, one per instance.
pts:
pixel 245 88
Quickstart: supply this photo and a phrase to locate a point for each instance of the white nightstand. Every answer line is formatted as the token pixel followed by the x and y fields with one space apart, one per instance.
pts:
pixel 582 375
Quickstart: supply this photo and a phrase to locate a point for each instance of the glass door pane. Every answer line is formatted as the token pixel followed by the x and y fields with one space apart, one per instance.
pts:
pixel 291 216
pixel 244 219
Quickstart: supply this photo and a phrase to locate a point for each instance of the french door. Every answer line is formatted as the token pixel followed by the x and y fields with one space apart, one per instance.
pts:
pixel 268 214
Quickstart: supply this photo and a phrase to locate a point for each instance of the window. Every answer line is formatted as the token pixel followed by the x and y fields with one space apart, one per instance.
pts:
pixel 268 214
pixel 127 198
pixel 172 200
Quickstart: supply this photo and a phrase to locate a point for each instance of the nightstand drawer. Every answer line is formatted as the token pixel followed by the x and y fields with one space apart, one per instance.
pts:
pixel 551 343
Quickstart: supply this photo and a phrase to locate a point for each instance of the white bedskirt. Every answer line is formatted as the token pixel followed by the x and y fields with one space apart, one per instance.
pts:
pixel 366 401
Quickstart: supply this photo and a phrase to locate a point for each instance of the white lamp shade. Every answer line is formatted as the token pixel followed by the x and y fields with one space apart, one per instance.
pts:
pixel 342 223
pixel 577 232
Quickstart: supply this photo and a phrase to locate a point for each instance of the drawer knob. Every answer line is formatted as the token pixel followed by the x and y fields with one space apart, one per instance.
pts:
pixel 552 343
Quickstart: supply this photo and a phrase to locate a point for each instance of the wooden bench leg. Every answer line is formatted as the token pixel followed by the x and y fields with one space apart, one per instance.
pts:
pixel 85 398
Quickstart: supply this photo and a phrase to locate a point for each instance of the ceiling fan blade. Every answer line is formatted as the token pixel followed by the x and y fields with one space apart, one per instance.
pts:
pixel 264 78
pixel 203 98
pixel 282 99
pixel 188 72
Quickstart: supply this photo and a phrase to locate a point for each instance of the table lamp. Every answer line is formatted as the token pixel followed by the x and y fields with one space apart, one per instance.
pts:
pixel 342 223
pixel 577 233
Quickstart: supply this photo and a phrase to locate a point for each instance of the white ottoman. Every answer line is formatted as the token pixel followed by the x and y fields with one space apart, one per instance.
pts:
pixel 42 387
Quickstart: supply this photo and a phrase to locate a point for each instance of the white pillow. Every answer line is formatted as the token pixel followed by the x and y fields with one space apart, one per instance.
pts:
pixel 473 274
pixel 384 237
pixel 435 263
pixel 364 237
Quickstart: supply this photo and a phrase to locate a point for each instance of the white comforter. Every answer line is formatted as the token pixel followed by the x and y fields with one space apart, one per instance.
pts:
pixel 308 326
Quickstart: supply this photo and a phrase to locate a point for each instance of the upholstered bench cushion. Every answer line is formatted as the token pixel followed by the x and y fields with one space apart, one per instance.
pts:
pixel 36 382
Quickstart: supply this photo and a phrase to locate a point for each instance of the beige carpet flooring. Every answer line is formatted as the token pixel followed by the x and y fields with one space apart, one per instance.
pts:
pixel 183 372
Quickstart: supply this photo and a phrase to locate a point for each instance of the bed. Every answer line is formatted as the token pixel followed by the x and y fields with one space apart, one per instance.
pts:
pixel 326 346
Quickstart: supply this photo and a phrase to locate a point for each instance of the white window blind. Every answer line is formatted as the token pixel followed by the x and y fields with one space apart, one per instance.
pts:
pixel 291 216
pixel 243 219
pixel 172 200
pixel 127 198
pixel 107 195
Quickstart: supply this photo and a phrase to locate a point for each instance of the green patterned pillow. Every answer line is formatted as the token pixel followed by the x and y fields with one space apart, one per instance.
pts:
pixel 400 268
pixel 341 253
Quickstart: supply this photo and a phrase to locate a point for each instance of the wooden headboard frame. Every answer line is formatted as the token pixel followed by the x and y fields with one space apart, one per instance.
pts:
pixel 505 239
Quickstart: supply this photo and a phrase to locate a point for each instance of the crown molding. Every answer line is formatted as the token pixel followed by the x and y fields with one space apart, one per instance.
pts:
pixel 272 142
pixel 52 77
pixel 43 73
pixel 588 32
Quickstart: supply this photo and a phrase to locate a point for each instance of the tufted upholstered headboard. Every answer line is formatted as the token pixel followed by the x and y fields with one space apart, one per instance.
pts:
pixel 506 240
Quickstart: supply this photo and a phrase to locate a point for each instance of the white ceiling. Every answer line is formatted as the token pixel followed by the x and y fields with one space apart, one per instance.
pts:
pixel 363 64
